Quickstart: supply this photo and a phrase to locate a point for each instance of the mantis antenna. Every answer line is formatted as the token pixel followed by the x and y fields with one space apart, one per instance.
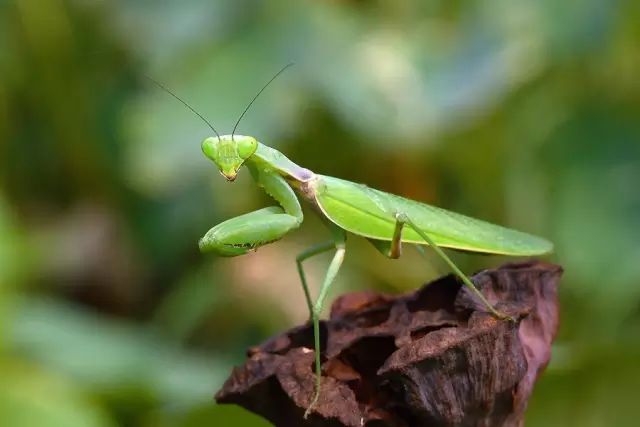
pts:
pixel 257 95
pixel 161 86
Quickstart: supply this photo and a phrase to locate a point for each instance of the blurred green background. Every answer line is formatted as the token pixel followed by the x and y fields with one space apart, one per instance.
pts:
pixel 524 113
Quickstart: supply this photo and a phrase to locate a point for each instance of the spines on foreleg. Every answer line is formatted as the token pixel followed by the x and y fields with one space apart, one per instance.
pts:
pixel 245 233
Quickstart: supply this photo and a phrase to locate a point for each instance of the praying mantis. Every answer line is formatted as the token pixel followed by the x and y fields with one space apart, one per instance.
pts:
pixel 386 220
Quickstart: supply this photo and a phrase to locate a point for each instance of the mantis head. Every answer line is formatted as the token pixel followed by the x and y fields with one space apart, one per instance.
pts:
pixel 229 152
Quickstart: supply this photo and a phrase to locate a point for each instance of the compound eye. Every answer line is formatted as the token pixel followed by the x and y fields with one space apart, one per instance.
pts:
pixel 246 147
pixel 210 148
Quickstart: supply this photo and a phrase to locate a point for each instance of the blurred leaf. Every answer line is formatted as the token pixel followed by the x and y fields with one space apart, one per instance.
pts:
pixel 109 354
pixel 230 415
pixel 600 391
pixel 15 260
pixel 598 208
pixel 31 397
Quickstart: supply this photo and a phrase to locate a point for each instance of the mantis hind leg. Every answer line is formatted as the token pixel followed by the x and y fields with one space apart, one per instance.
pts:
pixel 392 249
pixel 403 219
pixel 339 243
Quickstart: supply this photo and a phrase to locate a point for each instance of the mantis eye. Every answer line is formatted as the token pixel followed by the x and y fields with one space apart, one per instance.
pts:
pixel 210 148
pixel 246 147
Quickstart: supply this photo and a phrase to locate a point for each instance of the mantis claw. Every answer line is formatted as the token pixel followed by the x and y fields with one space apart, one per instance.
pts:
pixel 503 316
pixel 313 403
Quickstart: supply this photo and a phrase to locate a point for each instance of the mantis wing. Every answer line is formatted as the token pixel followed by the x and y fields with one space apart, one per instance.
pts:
pixel 371 213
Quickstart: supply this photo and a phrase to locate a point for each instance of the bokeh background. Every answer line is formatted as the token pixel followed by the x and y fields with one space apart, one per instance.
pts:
pixel 524 113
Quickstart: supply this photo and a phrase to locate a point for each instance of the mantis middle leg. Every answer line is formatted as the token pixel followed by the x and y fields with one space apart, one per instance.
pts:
pixel 339 243
pixel 308 253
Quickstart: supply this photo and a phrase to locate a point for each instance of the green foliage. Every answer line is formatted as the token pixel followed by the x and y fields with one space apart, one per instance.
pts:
pixel 523 113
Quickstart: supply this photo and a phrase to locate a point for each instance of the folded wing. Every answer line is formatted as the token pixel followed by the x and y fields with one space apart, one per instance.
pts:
pixel 370 213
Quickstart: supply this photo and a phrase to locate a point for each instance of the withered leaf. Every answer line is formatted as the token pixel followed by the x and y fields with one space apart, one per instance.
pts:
pixel 430 358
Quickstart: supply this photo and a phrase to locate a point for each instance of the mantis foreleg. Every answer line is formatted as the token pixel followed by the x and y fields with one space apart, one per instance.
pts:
pixel 239 235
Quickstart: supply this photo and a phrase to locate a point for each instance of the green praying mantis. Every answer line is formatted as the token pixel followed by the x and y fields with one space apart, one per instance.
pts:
pixel 386 220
